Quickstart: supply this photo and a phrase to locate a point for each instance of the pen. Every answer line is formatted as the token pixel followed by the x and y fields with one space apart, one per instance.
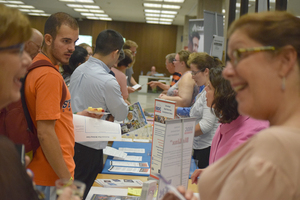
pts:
pixel 171 187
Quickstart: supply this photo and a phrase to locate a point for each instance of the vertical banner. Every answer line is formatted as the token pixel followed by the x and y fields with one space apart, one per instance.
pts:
pixel 163 110
pixel 196 35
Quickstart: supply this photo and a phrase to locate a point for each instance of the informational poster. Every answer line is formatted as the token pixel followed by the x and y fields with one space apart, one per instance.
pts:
pixel 163 110
pixel 196 35
pixel 217 47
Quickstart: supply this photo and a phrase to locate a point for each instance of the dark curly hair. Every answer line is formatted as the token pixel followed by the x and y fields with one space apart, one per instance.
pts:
pixel 224 103
pixel 78 57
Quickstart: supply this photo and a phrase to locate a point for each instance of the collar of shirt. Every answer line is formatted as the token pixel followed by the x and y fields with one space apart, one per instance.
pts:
pixel 99 62
pixel 233 125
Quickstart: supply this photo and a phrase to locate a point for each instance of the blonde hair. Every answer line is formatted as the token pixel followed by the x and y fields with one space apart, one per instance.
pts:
pixel 275 28
pixel 184 56
pixel 129 43
pixel 14 26
pixel 203 60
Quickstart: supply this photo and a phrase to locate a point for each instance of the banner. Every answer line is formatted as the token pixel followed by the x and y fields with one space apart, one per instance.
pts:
pixel 196 35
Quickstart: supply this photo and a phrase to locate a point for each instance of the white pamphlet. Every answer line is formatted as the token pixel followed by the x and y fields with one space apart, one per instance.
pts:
pixel 87 129
pixel 130 158
pixel 132 150
pixel 114 152
pixel 129 170
pixel 129 164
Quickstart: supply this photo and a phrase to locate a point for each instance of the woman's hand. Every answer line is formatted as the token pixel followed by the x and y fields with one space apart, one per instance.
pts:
pixel 188 194
pixel 195 175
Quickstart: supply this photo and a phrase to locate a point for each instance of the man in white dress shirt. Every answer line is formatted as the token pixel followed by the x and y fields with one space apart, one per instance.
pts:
pixel 93 85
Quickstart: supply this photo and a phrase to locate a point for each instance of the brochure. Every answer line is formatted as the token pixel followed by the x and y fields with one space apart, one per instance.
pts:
pixel 112 197
pixel 135 119
pixel 120 182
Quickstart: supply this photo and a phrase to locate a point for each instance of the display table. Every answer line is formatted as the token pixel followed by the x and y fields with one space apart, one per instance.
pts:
pixel 98 189
pixel 143 80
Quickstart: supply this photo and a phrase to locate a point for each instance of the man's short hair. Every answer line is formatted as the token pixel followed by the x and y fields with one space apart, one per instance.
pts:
pixel 108 41
pixel 55 21
pixel 195 34
pixel 170 57
pixel 129 43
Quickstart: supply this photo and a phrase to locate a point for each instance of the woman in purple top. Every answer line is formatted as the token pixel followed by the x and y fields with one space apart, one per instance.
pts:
pixel 235 129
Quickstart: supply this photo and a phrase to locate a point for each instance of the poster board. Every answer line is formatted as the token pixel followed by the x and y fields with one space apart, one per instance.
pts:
pixel 163 110
pixel 196 35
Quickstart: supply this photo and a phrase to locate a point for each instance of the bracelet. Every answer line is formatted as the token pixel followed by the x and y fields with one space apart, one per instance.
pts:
pixel 75 113
pixel 71 179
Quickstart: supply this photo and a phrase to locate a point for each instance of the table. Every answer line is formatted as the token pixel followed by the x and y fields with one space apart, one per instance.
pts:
pixel 191 186
pixel 143 80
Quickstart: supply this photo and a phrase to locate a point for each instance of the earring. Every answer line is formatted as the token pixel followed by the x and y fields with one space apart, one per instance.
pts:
pixel 283 84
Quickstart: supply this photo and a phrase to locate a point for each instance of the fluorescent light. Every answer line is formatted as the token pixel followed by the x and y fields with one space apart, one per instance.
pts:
pixel 87 14
pixel 152 22
pixel 38 11
pixel 174 1
pixel 169 12
pixel 170 6
pixel 167 20
pixel 78 1
pixel 238 5
pixel 152 5
pixel 75 5
pixel 15 2
pixel 152 11
pixel 152 15
pixel 12 5
pixel 97 11
pixel 34 14
pixel 81 10
pixel 45 15
pixel 91 6
pixel 27 7
pixel 152 18
pixel 101 15
pixel 166 23
pixel 106 18
pixel 24 10
pixel 223 10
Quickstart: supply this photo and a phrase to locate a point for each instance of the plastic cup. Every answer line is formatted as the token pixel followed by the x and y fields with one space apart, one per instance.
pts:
pixel 77 187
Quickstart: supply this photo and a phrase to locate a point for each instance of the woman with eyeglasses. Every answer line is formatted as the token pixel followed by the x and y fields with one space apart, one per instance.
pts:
pixel 207 123
pixel 264 49
pixel 185 90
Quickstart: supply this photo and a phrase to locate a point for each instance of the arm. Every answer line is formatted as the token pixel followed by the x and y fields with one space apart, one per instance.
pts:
pixel 185 91
pixel 188 194
pixel 159 84
pixel 51 147
pixel 195 175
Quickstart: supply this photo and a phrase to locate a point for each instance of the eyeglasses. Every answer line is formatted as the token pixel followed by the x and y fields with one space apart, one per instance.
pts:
pixel 16 46
pixel 174 60
pixel 238 53
pixel 194 73
pixel 38 46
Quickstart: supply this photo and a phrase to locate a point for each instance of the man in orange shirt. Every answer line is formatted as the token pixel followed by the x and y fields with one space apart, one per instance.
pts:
pixel 43 91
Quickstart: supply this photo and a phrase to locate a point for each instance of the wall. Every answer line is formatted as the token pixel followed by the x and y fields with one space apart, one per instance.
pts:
pixel 155 41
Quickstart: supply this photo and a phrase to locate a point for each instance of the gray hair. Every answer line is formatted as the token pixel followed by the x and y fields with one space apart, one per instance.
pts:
pixel 170 57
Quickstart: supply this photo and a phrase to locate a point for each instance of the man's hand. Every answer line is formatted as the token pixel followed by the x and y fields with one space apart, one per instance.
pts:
pixel 130 89
pixel 188 194
pixel 195 175
pixel 88 114
pixel 110 118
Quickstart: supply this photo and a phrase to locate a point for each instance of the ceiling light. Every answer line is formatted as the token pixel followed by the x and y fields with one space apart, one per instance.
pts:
pixel 174 1
pixel 38 11
pixel 87 14
pixel 169 12
pixel 95 18
pixel 24 10
pixel 15 2
pixel 34 14
pixel 75 5
pixel 45 15
pixel 152 5
pixel 101 15
pixel 152 18
pixel 81 10
pixel 106 18
pixel 152 15
pixel 78 1
pixel 170 6
pixel 238 5
pixel 27 7
pixel 167 20
pixel 223 11
pixel 91 6
pixel 152 22
pixel 166 23
pixel 97 11
pixel 12 5
pixel 152 11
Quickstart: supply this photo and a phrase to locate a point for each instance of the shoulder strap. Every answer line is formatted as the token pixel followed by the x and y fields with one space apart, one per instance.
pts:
pixel 39 63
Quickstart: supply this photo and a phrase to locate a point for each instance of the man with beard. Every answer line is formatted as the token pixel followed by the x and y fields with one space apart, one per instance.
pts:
pixel 44 89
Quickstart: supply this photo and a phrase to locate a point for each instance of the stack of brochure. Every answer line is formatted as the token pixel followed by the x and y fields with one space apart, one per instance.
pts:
pixel 120 182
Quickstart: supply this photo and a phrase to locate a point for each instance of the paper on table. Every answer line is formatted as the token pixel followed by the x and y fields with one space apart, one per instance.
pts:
pixel 132 150
pixel 129 164
pixel 114 152
pixel 129 170
pixel 134 191
pixel 136 86
pixel 92 129
pixel 131 158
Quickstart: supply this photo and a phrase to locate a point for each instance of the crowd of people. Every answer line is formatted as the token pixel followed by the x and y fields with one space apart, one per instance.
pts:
pixel 246 133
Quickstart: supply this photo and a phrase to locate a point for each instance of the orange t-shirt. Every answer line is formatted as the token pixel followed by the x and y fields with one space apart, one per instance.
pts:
pixel 43 92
